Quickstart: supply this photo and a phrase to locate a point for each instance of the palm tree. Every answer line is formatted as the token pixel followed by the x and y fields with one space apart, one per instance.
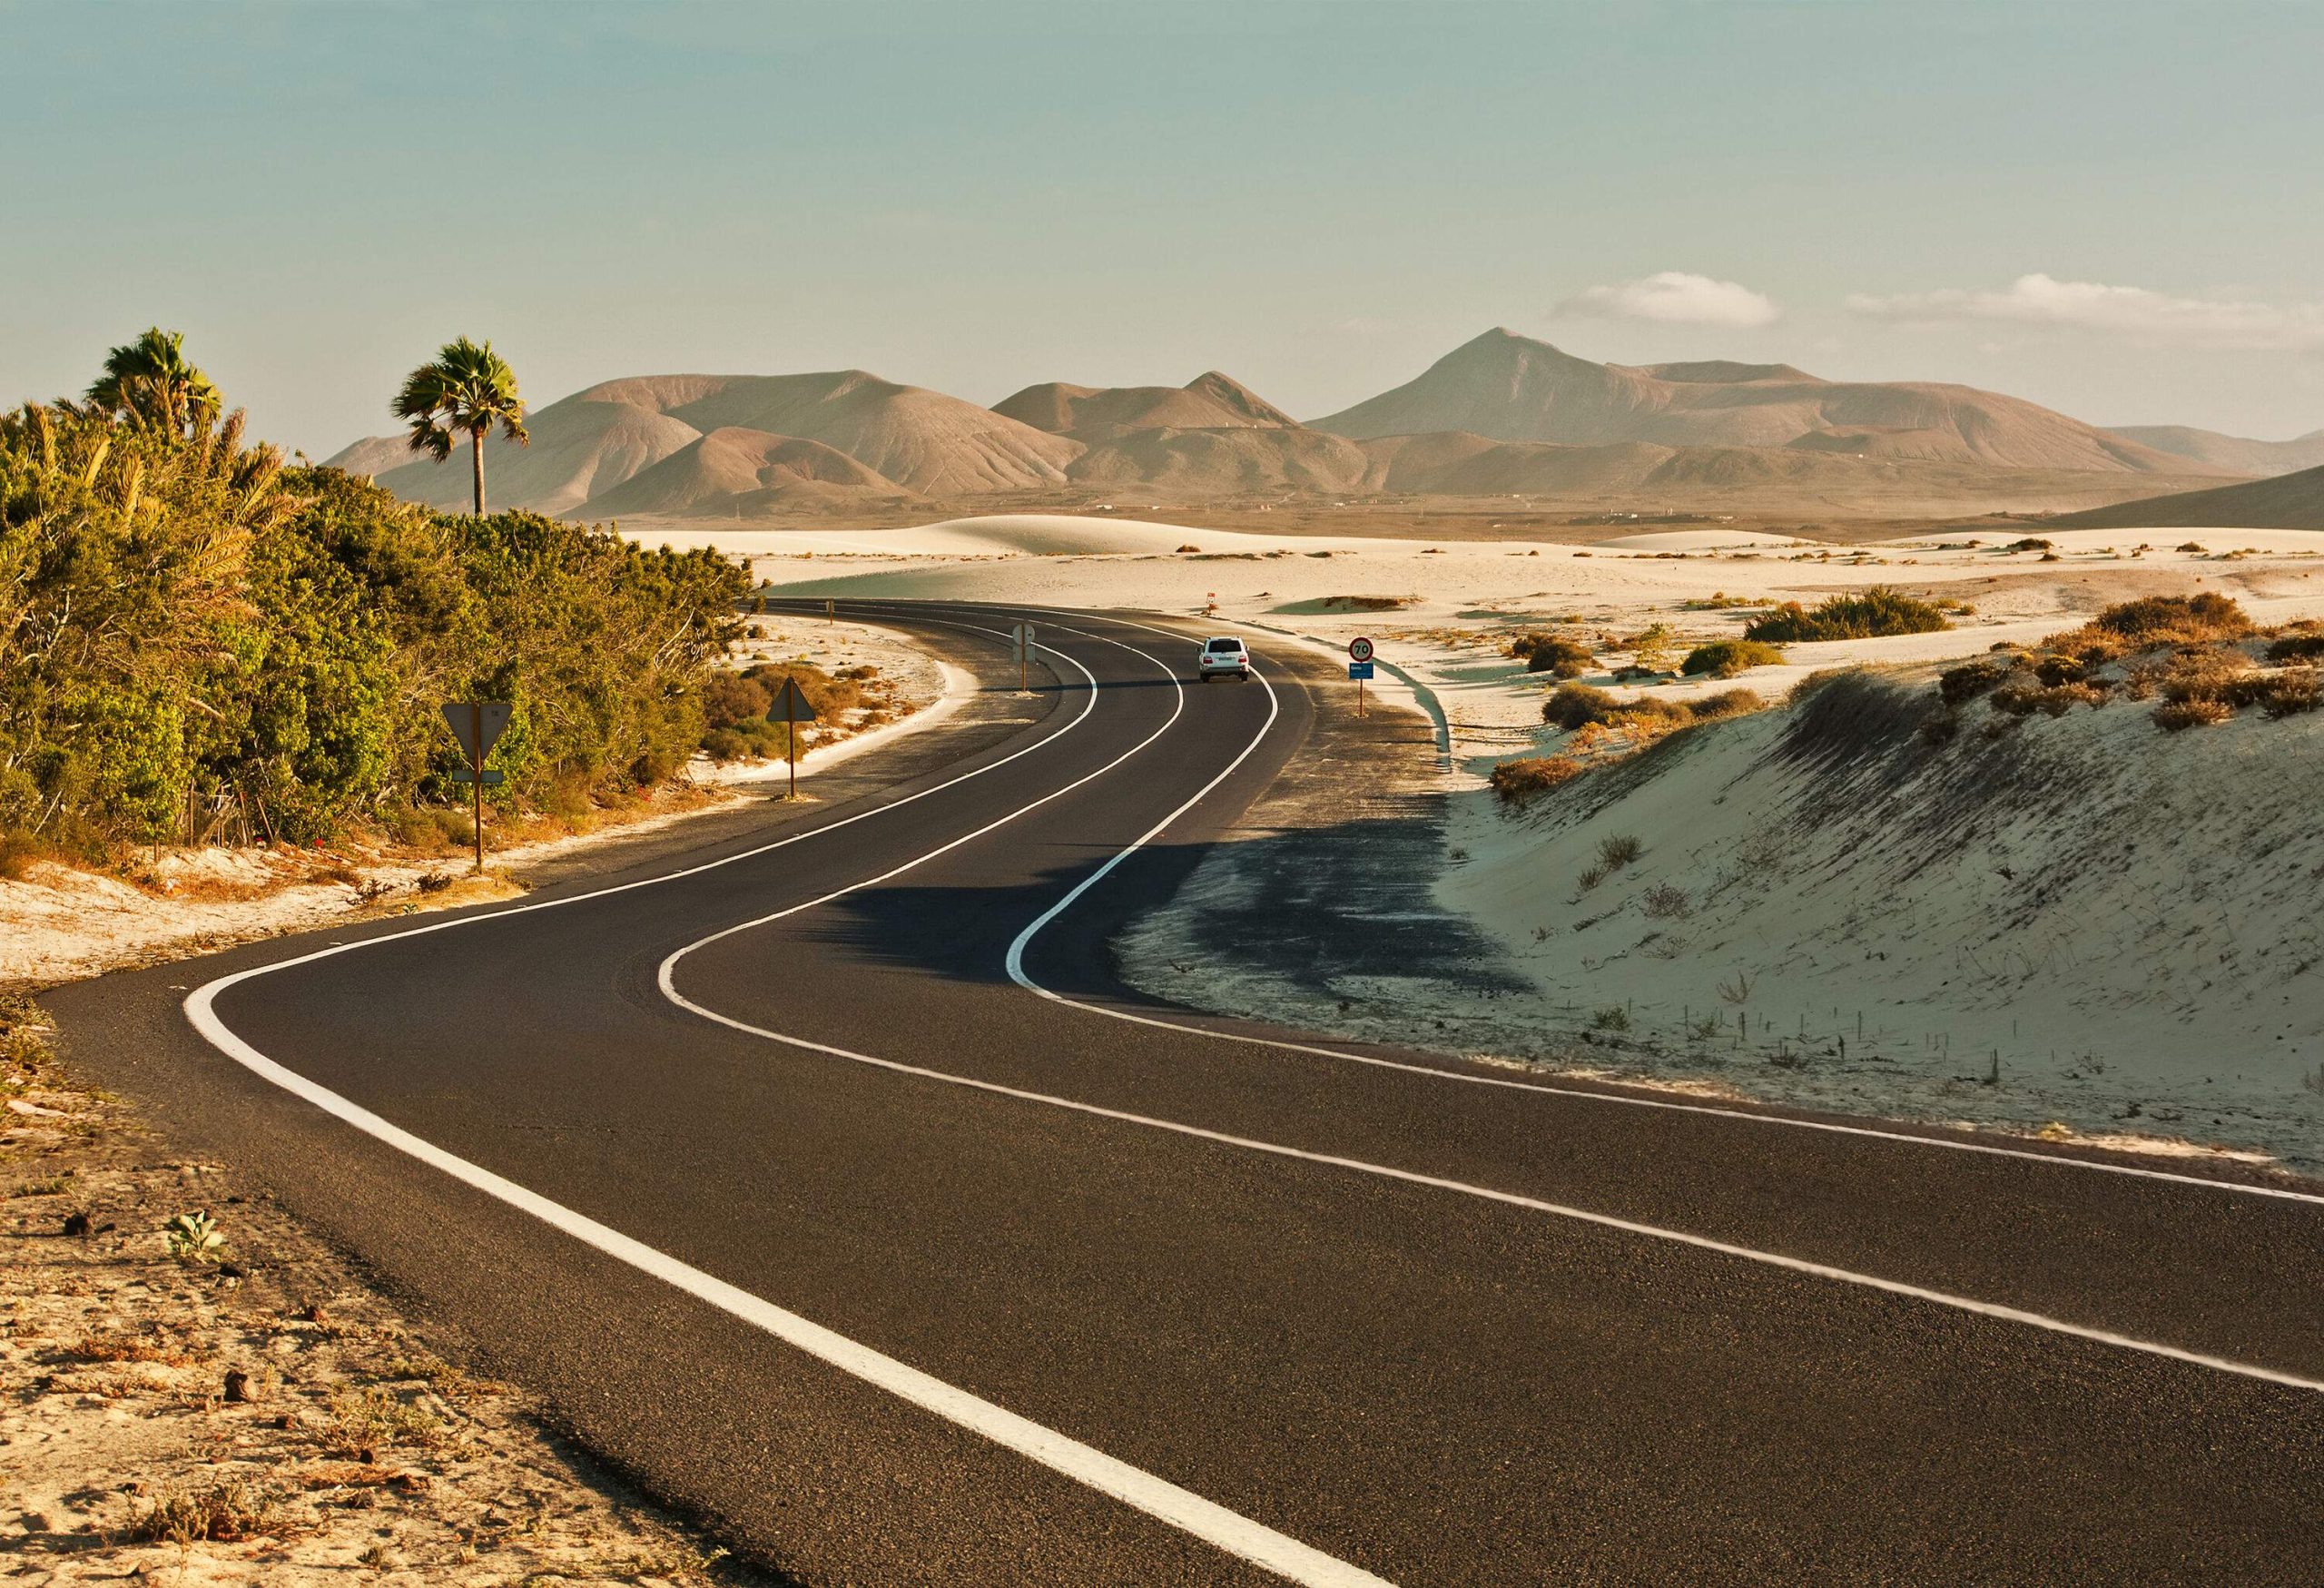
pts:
pixel 466 388
pixel 151 381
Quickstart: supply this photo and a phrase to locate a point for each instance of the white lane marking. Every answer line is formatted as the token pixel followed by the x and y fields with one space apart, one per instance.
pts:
pixel 1514 1199
pixel 664 975
pixel 1712 1110
pixel 1181 1508
pixel 666 979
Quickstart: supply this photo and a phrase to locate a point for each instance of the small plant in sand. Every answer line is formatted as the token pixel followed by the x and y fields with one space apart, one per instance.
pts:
pixel 1620 850
pixel 194 1237
pixel 1652 647
pixel 226 1513
pixel 1738 991
pixel 1666 902
pixel 1612 1018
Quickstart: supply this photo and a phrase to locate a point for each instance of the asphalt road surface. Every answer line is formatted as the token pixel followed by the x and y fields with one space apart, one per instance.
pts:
pixel 815 1177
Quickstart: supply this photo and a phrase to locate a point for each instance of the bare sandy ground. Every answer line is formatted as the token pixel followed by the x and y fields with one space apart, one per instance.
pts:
pixel 2152 998
pixel 255 1415
pixel 62 923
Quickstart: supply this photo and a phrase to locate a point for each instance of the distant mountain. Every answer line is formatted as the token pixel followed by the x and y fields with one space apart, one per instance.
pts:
pixel 921 439
pixel 2235 453
pixel 1227 460
pixel 579 446
pixel 1094 414
pixel 1511 388
pixel 735 473
pixel 585 445
pixel 2288 501
pixel 1502 415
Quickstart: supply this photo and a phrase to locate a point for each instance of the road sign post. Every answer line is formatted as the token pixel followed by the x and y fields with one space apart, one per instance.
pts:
pixel 1021 640
pixel 1359 667
pixel 477 724
pixel 793 702
pixel 830 611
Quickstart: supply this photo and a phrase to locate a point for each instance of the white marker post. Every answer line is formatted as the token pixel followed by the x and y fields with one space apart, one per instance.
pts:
pixel 476 723
pixel 1020 641
pixel 1359 667
pixel 796 711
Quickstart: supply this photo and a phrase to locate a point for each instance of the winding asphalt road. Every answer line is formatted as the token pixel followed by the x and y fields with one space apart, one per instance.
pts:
pixel 826 1176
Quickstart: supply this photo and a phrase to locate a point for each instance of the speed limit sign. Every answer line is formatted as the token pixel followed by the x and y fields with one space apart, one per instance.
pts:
pixel 1359 650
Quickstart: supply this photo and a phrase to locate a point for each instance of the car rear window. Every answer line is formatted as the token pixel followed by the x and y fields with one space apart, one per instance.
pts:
pixel 1225 645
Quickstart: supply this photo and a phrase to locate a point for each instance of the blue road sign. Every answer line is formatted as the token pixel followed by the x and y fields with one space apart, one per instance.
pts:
pixel 1359 670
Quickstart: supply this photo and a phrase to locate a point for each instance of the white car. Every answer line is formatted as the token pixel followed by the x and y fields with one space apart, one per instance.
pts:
pixel 1221 657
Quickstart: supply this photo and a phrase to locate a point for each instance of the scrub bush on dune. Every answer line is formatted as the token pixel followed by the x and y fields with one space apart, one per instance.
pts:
pixel 1551 653
pixel 1726 703
pixel 2152 622
pixel 1870 614
pixel 1724 659
pixel 1515 782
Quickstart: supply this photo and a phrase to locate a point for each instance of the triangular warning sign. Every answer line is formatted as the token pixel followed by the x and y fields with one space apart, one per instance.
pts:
pixel 791 705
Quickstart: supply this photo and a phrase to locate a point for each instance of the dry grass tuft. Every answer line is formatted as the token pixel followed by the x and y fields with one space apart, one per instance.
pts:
pixel 2175 714
pixel 228 1513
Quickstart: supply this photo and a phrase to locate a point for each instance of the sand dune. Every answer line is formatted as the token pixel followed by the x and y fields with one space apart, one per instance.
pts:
pixel 1094 414
pixel 1512 388
pixel 2236 454
pixel 2290 501
pixel 743 474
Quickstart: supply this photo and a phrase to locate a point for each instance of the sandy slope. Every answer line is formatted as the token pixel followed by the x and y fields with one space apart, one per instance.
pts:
pixel 2083 919
pixel 2290 501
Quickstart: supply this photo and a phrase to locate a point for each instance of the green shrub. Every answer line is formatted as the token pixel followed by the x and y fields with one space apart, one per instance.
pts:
pixel 1551 653
pixel 1725 658
pixel 1869 615
pixel 231 649
pixel 1574 706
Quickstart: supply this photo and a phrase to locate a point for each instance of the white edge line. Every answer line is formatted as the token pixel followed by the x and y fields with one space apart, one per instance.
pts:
pixel 1157 1497
pixel 1534 1204
pixel 1624 1099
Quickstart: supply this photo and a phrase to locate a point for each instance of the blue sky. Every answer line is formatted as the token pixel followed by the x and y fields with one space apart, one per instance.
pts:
pixel 2105 205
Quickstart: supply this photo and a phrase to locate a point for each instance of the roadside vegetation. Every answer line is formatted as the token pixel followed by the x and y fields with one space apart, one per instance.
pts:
pixel 198 645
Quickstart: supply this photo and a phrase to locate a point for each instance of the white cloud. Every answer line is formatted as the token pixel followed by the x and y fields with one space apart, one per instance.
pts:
pixel 2132 313
pixel 1674 298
